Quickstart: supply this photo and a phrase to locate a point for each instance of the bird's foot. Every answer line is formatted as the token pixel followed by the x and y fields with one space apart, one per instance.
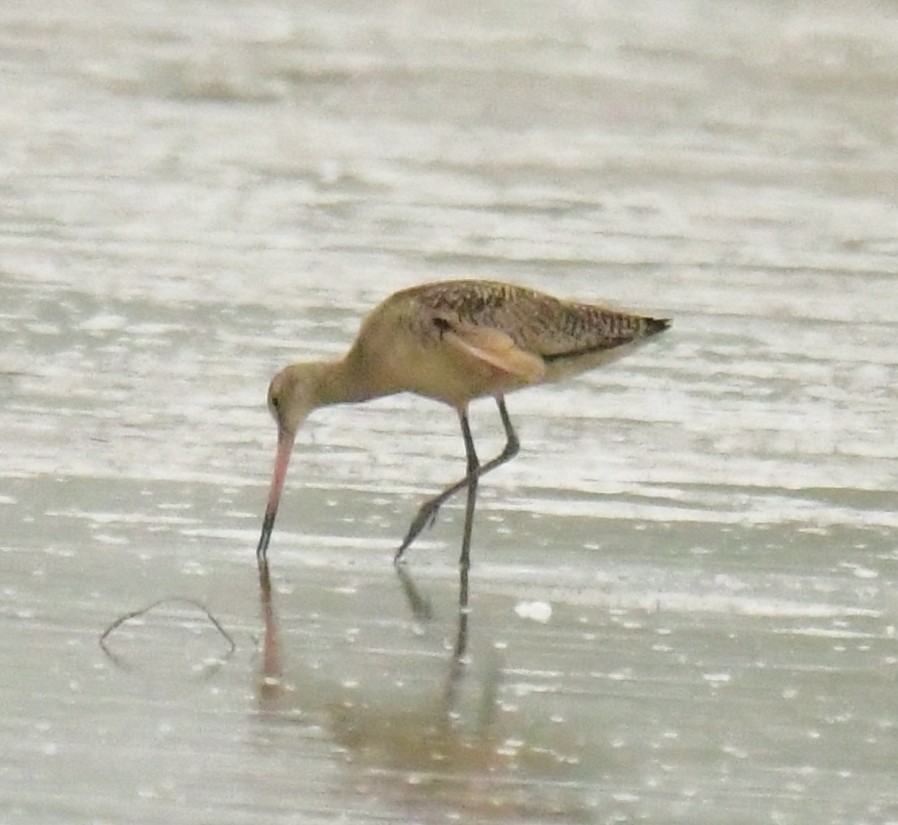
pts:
pixel 422 521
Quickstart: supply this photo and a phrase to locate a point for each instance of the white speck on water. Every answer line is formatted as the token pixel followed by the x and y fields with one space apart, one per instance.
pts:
pixel 194 568
pixel 720 504
pixel 103 322
pixel 510 747
pixel 717 678
pixel 620 675
pixel 39 328
pixel 860 571
pixel 106 538
pixel 535 611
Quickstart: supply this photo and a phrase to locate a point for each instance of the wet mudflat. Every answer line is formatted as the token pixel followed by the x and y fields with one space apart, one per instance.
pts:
pixel 682 599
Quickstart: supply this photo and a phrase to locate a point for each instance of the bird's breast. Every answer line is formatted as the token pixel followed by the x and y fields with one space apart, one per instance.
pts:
pixel 411 353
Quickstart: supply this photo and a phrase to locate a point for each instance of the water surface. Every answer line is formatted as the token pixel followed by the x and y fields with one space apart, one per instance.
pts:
pixel 682 604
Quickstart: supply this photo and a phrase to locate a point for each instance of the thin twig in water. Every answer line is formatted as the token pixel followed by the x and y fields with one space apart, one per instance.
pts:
pixel 232 646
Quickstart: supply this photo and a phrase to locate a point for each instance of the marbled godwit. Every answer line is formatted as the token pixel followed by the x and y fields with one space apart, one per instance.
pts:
pixel 452 341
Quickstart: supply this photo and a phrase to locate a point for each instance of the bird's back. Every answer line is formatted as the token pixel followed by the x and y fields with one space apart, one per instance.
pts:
pixel 549 337
pixel 538 323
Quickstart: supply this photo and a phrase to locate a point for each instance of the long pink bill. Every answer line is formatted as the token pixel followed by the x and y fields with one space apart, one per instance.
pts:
pixel 282 459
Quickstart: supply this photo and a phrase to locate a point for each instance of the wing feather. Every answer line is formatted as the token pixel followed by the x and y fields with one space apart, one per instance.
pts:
pixel 496 348
pixel 536 323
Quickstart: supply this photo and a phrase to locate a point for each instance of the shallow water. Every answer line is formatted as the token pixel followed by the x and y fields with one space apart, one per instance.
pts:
pixel 682 604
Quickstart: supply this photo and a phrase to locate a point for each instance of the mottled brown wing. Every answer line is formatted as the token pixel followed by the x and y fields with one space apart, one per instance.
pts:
pixel 536 324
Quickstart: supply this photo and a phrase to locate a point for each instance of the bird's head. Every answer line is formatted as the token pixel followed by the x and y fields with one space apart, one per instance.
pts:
pixel 293 393
pixel 291 397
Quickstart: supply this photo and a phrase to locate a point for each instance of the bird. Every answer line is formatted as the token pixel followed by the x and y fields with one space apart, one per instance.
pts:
pixel 451 341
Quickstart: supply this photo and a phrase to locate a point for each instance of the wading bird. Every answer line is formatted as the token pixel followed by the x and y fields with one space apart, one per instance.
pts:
pixel 452 341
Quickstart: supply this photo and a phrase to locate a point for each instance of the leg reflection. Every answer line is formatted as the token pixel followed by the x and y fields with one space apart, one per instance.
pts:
pixel 458 661
pixel 420 607
pixel 418 603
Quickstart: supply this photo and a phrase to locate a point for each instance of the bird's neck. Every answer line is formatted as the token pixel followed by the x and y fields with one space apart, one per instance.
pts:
pixel 343 381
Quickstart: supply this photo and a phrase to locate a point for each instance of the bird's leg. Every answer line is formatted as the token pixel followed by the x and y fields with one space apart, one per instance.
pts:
pixel 428 512
pixel 464 560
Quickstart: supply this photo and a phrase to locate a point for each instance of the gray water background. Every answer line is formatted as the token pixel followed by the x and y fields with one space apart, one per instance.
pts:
pixel 683 599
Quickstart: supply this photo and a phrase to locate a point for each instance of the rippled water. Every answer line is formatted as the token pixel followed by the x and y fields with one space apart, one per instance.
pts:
pixel 683 594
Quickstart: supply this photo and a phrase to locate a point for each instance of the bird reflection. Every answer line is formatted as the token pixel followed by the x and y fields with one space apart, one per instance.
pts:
pixel 423 750
pixel 270 677
pixel 421 610
pixel 269 684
